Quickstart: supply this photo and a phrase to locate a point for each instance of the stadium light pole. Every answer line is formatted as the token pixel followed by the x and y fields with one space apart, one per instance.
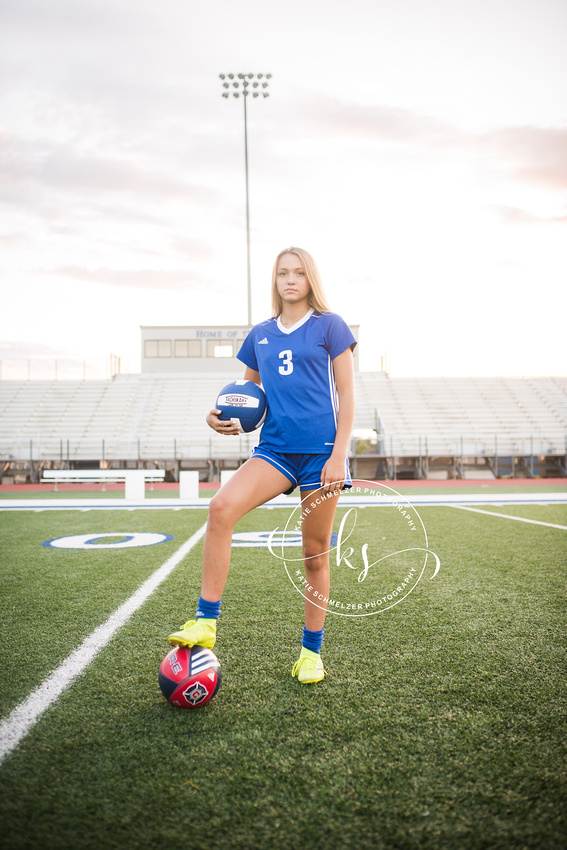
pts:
pixel 246 85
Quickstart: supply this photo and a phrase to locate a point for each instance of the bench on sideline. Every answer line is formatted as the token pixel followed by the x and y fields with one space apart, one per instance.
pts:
pixel 134 479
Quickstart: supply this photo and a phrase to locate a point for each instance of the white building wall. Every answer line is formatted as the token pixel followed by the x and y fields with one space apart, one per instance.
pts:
pixel 198 349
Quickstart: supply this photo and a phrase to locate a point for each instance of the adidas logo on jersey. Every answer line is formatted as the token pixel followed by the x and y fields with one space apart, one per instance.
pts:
pixel 263 341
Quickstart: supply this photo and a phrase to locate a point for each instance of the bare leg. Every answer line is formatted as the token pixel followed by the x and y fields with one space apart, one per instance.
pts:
pixel 253 484
pixel 317 527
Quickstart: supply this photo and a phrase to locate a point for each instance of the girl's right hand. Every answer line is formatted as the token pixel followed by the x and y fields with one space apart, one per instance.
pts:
pixel 221 426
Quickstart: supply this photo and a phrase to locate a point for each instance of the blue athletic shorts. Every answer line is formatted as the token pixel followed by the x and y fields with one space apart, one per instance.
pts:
pixel 301 469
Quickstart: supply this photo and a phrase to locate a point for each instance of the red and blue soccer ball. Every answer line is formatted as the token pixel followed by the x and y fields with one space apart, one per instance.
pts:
pixel 245 403
pixel 189 677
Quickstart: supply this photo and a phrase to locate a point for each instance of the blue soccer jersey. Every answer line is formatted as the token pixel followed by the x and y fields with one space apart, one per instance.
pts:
pixel 297 376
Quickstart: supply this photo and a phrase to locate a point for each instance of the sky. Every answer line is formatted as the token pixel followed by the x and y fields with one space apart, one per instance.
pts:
pixel 417 148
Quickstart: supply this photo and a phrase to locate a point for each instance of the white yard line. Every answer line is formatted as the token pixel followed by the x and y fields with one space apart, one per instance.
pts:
pixel 23 717
pixel 509 516
pixel 354 500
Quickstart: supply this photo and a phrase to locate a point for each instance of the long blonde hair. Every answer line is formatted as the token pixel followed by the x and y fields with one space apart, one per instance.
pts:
pixel 316 298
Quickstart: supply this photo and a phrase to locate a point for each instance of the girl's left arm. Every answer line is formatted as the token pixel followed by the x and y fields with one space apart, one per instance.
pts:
pixel 334 470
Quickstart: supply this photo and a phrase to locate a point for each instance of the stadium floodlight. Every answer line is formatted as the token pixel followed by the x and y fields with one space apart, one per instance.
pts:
pixel 242 85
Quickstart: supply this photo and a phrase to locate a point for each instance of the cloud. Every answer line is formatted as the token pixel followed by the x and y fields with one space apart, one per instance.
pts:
pixel 536 155
pixel 14 240
pixel 163 279
pixel 531 154
pixel 59 13
pixel 516 215
pixel 193 249
pixel 328 116
pixel 61 167
pixel 14 350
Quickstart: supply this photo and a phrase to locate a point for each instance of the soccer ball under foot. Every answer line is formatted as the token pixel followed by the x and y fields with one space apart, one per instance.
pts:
pixel 190 676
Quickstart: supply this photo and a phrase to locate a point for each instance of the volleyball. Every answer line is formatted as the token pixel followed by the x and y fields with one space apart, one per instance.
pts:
pixel 244 402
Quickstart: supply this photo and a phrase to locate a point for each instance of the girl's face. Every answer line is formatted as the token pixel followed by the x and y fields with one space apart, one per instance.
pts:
pixel 291 279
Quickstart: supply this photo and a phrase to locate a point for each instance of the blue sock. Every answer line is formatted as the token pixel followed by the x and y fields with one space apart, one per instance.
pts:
pixel 312 640
pixel 209 610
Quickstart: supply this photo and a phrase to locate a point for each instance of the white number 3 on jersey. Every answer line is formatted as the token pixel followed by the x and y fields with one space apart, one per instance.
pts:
pixel 287 366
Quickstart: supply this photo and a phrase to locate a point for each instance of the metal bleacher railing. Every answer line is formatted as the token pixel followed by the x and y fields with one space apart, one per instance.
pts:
pixel 414 425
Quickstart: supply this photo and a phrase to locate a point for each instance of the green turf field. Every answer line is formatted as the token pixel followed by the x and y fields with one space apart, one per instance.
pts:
pixel 441 723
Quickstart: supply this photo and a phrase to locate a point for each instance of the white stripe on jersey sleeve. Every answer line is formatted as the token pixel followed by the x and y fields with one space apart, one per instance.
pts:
pixel 333 390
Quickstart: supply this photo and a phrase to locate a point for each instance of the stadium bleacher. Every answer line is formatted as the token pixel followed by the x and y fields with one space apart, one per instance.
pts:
pixel 423 426
pixel 454 414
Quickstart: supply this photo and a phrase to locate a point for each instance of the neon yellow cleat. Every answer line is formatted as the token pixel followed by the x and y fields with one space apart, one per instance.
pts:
pixel 309 667
pixel 201 631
